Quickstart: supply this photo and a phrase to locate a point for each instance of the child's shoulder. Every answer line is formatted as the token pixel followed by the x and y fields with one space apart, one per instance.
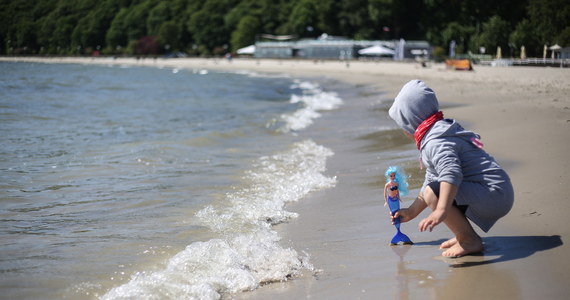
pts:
pixel 443 142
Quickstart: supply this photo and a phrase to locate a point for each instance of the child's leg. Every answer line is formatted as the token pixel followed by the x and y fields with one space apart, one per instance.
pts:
pixel 466 240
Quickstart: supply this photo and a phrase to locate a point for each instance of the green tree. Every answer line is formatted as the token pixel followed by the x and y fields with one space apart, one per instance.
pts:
pixel 525 35
pixel 495 33
pixel 71 26
pixel 91 30
pixel 208 28
pixel 327 17
pixel 243 9
pixel 169 35
pixel 4 27
pixel 550 18
pixel 245 33
pixel 407 16
pixel 380 13
pixel 185 9
pixel 40 10
pixel 270 14
pixel 135 19
pixel 458 33
pixel 117 33
pixel 157 16
pixel 302 19
pixel 61 34
pixel 26 37
pixel 564 37
pixel 354 20
pixel 20 31
pixel 442 19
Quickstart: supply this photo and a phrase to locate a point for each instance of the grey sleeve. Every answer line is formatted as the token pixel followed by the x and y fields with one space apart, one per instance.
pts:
pixel 443 161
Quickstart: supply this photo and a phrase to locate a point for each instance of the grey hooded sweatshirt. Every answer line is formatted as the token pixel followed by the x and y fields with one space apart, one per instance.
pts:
pixel 450 155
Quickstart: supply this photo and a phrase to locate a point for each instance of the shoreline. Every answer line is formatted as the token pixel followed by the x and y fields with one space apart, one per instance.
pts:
pixel 523 116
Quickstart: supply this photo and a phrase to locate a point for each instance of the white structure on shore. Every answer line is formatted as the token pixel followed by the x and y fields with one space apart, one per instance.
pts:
pixel 338 48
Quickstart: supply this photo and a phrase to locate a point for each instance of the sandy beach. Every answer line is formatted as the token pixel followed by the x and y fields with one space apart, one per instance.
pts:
pixel 523 116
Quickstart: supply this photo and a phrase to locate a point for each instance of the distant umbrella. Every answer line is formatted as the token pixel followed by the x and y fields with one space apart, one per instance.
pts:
pixel 499 55
pixel 544 52
pixel 376 50
pixel 523 52
pixel 246 50
pixel 553 49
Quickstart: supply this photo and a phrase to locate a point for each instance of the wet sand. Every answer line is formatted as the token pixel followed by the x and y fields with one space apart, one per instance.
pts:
pixel 523 116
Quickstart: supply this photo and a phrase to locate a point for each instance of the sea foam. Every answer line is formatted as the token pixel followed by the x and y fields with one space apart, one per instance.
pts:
pixel 312 100
pixel 249 253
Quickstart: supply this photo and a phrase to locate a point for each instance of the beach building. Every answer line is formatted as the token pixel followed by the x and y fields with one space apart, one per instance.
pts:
pixel 325 49
pixel 337 48
pixel 273 50
pixel 413 49
pixel 564 53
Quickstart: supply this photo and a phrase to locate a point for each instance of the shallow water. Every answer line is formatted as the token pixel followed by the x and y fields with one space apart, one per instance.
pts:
pixel 138 182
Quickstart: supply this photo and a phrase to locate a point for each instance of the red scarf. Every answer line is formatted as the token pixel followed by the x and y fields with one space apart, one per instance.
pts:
pixel 425 127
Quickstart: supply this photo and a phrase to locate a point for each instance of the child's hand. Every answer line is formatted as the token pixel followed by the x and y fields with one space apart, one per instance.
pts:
pixel 403 213
pixel 436 217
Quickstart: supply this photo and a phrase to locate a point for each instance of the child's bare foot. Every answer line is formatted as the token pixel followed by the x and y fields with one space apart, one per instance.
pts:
pixel 448 244
pixel 461 248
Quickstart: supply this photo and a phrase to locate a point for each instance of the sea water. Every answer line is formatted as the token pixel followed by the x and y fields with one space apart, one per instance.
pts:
pixel 134 182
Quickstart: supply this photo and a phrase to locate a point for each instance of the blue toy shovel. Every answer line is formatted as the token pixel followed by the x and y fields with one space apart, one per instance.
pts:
pixel 394 205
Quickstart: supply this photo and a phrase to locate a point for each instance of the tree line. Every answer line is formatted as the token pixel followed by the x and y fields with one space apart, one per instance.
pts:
pixel 215 27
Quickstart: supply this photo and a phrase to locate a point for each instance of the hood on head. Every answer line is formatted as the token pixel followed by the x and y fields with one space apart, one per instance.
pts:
pixel 415 103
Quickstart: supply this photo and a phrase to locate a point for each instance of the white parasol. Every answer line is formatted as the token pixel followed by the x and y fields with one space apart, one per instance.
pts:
pixel 376 50
pixel 247 50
